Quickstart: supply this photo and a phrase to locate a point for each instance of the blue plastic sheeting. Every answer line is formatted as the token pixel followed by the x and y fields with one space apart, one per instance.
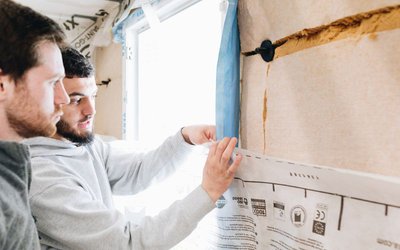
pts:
pixel 228 77
pixel 117 30
pixel 125 16
pixel 228 69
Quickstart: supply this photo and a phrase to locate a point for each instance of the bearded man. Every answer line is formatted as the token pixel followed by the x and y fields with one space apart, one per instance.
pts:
pixel 75 174
pixel 31 98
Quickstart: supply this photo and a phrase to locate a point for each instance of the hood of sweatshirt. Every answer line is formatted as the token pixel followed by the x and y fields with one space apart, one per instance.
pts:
pixel 45 146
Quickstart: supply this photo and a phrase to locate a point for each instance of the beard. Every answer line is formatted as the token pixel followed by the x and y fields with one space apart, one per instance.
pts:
pixel 26 119
pixel 66 131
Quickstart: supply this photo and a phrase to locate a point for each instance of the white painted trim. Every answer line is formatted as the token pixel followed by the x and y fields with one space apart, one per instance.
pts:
pixel 130 94
pixel 164 9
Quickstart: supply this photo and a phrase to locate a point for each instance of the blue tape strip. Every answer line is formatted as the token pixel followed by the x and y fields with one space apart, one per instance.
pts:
pixel 228 77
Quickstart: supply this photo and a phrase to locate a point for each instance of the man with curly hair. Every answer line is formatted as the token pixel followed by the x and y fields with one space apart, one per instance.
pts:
pixel 75 174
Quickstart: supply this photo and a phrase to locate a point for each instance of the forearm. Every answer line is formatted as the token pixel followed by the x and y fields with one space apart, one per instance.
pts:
pixel 81 223
pixel 129 172
pixel 175 223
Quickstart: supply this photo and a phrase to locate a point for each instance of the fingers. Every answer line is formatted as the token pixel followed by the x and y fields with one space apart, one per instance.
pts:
pixel 212 150
pixel 199 134
pixel 219 171
pixel 225 149
pixel 227 154
pixel 221 146
pixel 208 134
pixel 235 165
pixel 212 134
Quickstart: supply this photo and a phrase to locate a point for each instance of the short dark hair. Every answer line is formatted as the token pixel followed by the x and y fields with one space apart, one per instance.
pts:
pixel 22 29
pixel 75 64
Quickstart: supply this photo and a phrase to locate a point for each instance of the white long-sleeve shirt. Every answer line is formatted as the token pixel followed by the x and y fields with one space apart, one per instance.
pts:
pixel 72 187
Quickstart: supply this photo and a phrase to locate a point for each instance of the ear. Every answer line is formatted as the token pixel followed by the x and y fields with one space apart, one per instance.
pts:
pixel 6 85
pixel 1 80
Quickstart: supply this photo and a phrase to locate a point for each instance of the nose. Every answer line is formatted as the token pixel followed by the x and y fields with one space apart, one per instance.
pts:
pixel 89 108
pixel 60 95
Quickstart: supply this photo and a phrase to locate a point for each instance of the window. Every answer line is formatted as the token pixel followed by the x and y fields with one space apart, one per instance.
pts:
pixel 174 71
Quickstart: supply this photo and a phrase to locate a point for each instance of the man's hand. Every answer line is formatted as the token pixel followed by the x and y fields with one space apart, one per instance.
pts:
pixel 199 134
pixel 219 171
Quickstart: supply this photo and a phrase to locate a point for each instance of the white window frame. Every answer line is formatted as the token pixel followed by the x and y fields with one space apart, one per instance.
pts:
pixel 182 182
pixel 163 10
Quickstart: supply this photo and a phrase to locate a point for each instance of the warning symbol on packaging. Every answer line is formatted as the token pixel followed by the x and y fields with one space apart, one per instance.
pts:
pixel 298 216
pixel 221 202
pixel 279 210
pixel 259 207
pixel 319 223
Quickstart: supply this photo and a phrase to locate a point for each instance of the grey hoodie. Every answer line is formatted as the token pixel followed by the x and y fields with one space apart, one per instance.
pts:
pixel 72 187
pixel 17 228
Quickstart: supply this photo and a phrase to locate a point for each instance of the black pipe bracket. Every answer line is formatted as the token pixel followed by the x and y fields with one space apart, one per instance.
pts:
pixel 266 50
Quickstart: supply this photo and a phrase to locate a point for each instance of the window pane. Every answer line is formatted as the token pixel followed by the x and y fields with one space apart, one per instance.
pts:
pixel 177 68
pixel 176 86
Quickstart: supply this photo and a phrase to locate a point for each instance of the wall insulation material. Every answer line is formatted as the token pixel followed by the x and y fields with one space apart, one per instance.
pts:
pixel 331 96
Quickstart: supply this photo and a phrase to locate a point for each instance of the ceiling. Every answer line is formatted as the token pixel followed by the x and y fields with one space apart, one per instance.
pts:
pixel 66 8
pixel 87 23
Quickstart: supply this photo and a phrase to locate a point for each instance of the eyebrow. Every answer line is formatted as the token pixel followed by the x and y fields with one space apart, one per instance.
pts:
pixel 80 94
pixel 76 94
pixel 57 77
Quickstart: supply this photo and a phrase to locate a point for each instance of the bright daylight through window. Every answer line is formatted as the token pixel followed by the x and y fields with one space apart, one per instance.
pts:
pixel 176 71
